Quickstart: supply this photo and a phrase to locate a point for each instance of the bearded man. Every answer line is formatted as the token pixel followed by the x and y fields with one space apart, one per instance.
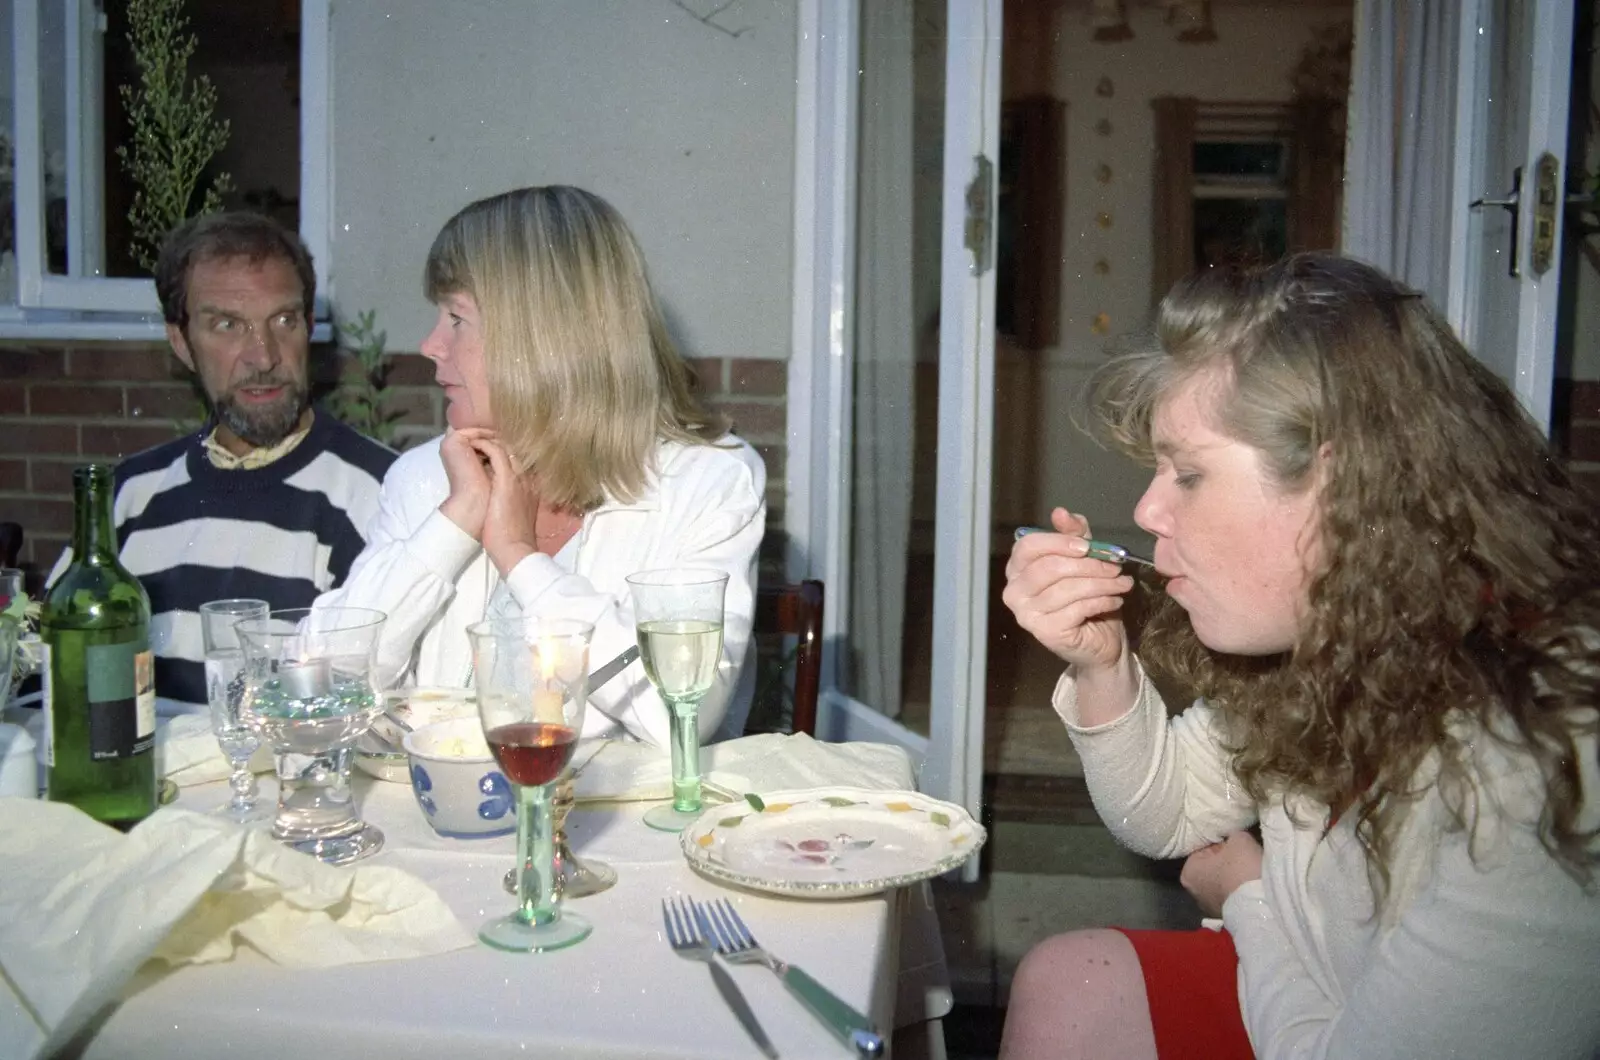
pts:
pixel 271 499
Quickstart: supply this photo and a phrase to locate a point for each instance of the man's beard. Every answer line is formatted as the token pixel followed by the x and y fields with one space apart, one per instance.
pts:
pixel 267 425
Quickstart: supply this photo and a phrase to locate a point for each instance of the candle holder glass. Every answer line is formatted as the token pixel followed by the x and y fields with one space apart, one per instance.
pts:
pixel 308 679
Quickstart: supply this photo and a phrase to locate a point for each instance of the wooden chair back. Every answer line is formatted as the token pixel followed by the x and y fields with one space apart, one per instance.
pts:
pixel 796 610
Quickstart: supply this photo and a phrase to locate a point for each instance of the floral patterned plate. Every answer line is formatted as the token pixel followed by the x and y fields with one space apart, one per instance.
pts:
pixel 830 842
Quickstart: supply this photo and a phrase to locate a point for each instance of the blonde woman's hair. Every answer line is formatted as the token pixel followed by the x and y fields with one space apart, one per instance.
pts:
pixel 1461 568
pixel 584 380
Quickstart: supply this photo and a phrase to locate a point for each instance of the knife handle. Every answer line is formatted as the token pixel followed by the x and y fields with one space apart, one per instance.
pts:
pixel 852 1027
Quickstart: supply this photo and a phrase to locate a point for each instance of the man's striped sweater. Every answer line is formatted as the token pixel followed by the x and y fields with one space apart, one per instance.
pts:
pixel 283 533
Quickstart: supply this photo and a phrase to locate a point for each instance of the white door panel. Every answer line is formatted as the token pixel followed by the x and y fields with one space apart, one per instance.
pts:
pixel 1514 70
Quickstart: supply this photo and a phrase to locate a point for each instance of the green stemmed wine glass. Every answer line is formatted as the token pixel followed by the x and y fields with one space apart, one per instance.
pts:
pixel 678 615
pixel 533 684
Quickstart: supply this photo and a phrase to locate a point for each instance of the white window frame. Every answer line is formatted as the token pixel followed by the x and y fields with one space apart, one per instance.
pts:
pixel 85 304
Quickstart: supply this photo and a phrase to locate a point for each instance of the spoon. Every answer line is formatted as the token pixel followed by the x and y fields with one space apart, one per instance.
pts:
pixel 1097 549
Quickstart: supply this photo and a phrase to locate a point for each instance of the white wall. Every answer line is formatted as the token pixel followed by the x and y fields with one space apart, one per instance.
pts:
pixel 1251 60
pixel 687 129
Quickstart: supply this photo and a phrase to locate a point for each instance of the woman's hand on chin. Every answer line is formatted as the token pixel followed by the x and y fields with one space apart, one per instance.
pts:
pixel 510 524
pixel 467 471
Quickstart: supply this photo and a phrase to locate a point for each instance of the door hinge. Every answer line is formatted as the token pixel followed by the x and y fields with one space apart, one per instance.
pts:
pixel 980 215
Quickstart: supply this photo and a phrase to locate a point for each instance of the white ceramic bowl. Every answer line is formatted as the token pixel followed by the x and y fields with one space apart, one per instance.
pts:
pixel 379 752
pixel 457 782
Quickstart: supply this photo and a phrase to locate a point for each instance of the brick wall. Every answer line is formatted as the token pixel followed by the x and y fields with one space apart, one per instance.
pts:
pixel 62 405
pixel 1577 415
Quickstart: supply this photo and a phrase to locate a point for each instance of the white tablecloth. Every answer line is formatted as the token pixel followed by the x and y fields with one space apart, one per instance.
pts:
pixel 622 993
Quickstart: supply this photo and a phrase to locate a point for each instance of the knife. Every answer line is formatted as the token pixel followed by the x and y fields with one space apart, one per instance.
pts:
pixel 613 668
pixel 731 994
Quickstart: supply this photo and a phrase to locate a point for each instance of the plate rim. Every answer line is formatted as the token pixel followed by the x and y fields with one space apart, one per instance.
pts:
pixel 695 855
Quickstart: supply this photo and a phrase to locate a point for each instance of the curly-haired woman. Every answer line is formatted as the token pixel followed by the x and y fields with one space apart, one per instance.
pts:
pixel 1386 592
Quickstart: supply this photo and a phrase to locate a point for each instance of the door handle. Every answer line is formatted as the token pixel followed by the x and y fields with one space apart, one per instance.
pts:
pixel 1512 204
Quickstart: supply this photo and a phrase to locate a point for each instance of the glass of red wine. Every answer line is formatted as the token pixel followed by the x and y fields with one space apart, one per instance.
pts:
pixel 532 685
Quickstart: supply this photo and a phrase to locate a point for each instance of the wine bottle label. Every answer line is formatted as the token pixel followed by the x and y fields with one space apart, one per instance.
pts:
pixel 144 672
pixel 49 705
pixel 115 727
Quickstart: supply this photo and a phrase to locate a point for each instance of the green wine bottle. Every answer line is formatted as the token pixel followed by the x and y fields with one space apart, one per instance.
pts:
pixel 99 688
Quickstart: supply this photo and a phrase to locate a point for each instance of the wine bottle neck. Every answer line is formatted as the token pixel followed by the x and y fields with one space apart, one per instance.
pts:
pixel 94 535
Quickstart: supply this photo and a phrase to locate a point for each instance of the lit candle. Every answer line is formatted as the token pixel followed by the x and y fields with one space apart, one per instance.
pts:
pixel 304 680
pixel 547 706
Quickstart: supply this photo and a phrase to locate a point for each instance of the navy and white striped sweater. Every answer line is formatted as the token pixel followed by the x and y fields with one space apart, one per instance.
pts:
pixel 284 533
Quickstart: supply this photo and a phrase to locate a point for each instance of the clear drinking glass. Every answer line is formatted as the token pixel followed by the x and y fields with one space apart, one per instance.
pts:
pixel 235 726
pixel 308 679
pixel 678 615
pixel 533 685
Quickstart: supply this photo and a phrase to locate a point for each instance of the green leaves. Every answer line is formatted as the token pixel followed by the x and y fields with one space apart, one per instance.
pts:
pixel 359 400
pixel 755 801
pixel 174 129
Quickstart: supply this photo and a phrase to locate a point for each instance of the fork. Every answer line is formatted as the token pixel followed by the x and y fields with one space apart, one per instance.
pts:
pixel 738 946
pixel 695 945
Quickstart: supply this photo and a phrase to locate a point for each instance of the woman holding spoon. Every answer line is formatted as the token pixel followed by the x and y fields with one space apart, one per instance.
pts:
pixel 575 456
pixel 1385 591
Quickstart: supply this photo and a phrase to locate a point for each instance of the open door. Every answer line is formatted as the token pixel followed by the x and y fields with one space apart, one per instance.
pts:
pixel 895 194
pixel 1513 90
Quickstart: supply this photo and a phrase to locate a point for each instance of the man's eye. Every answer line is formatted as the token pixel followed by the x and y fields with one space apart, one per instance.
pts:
pixel 1186 479
pixel 455 321
pixel 286 321
pixel 222 324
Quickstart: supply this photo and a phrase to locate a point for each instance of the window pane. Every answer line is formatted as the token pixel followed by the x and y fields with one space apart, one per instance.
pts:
pixel 251 54
pixel 895 382
pixel 1258 160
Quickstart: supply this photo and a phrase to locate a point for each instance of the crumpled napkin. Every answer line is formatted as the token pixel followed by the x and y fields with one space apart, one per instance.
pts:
pixel 82 906
pixel 614 770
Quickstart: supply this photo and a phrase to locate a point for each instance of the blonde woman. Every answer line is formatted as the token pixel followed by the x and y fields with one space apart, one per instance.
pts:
pixel 1386 591
pixel 574 457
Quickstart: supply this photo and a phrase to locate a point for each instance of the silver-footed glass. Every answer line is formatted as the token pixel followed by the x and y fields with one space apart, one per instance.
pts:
pixel 678 613
pixel 237 730
pixel 309 682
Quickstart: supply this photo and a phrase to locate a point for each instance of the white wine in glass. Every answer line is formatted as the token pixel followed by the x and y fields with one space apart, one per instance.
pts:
pixel 678 617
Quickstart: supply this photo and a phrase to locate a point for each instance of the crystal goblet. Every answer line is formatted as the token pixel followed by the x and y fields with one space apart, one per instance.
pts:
pixel 232 722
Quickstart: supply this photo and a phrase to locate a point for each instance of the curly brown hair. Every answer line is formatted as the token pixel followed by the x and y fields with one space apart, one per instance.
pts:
pixel 1460 572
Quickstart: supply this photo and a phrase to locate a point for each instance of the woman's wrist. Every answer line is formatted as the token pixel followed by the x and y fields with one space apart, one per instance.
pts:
pixel 1105 693
pixel 506 557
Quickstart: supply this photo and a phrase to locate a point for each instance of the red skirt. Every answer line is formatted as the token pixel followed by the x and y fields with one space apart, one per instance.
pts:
pixel 1191 980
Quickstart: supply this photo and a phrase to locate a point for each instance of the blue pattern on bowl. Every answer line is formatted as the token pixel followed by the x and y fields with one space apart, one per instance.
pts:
pixel 421 783
pixel 499 802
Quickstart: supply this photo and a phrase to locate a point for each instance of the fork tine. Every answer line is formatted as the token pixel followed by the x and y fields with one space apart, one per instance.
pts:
pixel 705 913
pixel 666 919
pixel 736 925
pixel 734 944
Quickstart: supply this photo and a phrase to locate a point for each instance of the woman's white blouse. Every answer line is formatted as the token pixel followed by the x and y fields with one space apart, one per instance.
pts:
pixel 704 506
